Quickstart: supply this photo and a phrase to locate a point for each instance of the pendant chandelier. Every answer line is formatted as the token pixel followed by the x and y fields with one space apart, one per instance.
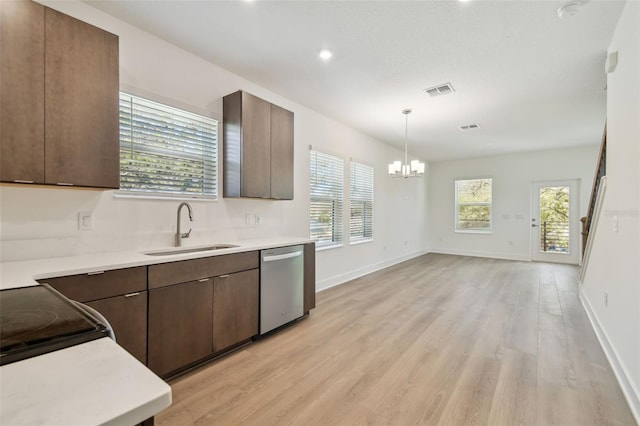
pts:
pixel 398 169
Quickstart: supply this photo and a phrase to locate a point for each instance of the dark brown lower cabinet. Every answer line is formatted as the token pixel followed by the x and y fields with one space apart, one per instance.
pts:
pixel 173 326
pixel 235 308
pixel 120 295
pixel 309 277
pixel 180 325
pixel 128 318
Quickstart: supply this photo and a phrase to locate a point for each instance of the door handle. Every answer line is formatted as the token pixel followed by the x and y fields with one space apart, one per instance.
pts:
pixel 281 256
pixel 533 225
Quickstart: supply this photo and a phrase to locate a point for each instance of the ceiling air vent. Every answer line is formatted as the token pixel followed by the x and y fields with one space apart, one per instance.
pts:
pixel 442 89
pixel 469 127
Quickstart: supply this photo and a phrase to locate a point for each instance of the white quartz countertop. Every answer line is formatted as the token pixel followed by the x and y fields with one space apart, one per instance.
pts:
pixel 95 383
pixel 24 273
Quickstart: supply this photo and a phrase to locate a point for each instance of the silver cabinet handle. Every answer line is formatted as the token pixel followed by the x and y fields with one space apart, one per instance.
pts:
pixel 64 184
pixel 281 256
pixel 95 273
pixel 22 181
pixel 137 293
pixel 203 280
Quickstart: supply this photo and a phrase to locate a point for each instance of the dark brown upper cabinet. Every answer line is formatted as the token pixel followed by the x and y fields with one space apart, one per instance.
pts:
pixel 59 108
pixel 21 91
pixel 258 148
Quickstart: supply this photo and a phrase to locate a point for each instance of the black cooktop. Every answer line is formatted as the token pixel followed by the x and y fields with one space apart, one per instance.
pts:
pixel 36 320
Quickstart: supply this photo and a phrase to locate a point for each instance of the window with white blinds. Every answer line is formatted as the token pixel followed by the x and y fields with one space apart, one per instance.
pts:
pixel 165 151
pixel 326 192
pixel 473 205
pixel 361 201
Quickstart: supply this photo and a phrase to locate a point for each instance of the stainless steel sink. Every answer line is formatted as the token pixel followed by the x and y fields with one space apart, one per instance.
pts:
pixel 169 252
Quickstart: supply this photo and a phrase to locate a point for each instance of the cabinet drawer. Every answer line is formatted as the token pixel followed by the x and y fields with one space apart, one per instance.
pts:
pixel 94 286
pixel 165 274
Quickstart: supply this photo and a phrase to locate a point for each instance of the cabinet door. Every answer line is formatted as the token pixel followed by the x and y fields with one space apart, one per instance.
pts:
pixel 81 109
pixel 256 147
pixel 281 153
pixel 22 91
pixel 128 317
pixel 180 325
pixel 235 308
pixel 309 277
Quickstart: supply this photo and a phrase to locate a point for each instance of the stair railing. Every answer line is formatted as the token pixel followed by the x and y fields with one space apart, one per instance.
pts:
pixel 597 195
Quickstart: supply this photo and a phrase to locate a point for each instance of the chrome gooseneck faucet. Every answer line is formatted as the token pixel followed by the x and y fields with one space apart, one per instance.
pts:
pixel 180 236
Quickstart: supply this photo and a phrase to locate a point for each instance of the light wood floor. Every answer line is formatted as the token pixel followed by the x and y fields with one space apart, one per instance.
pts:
pixel 436 340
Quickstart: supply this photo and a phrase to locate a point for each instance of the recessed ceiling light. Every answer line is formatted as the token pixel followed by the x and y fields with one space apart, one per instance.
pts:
pixel 569 9
pixel 325 54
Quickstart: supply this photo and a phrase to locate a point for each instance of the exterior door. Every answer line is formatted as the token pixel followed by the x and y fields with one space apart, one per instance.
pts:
pixel 555 221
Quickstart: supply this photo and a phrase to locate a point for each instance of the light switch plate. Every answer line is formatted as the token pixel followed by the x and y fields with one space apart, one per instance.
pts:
pixel 85 221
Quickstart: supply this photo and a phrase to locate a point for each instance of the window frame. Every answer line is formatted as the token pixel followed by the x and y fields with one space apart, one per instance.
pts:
pixel 457 204
pixel 213 175
pixel 337 217
pixel 368 192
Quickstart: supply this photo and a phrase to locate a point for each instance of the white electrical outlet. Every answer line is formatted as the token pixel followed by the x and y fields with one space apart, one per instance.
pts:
pixel 85 221
pixel 615 223
pixel 258 219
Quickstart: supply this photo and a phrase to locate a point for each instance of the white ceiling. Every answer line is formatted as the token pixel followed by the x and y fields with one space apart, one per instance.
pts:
pixel 532 81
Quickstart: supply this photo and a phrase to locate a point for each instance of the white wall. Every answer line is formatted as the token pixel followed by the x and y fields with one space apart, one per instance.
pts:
pixel 614 264
pixel 512 177
pixel 42 222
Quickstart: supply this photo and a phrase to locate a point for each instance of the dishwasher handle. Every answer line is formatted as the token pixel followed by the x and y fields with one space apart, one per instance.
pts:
pixel 281 256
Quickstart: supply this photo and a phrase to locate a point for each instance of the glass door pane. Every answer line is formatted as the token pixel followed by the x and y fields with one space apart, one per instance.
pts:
pixel 554 219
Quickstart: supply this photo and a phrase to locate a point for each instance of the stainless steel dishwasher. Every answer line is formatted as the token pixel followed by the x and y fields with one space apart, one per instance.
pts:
pixel 281 286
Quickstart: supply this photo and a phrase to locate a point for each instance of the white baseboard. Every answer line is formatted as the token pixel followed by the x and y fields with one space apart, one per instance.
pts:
pixel 490 255
pixel 348 276
pixel 630 393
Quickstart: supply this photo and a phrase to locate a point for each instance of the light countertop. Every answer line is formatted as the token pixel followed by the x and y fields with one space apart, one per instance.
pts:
pixel 24 273
pixel 96 382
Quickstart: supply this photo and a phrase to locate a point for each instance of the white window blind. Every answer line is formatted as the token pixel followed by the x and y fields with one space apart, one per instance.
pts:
pixel 361 202
pixel 473 205
pixel 326 189
pixel 166 151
